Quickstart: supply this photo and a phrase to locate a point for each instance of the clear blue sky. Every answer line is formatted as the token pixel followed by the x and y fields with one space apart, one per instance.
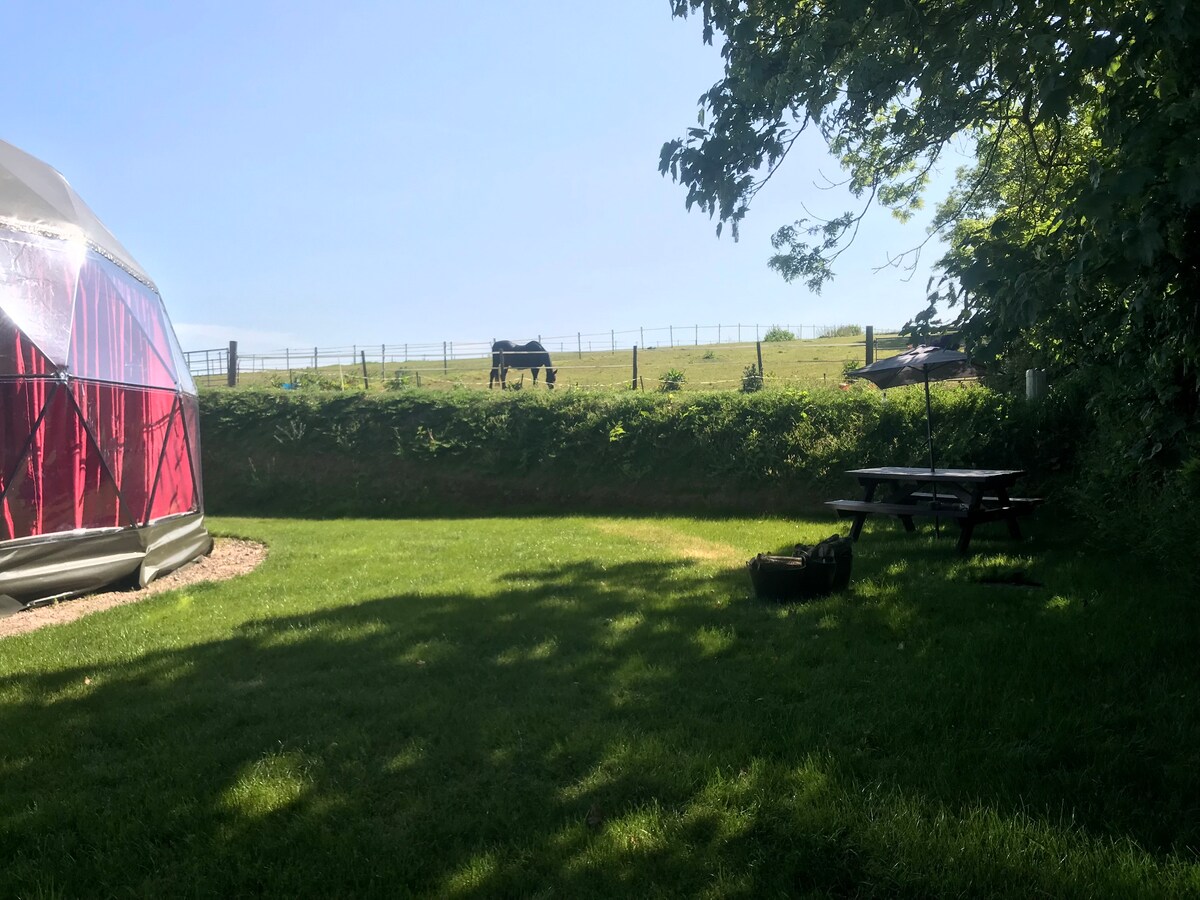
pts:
pixel 299 174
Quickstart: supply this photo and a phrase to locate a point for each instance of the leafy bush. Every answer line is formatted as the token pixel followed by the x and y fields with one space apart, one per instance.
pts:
pixel 752 379
pixel 410 452
pixel 671 380
pixel 400 380
pixel 1142 498
pixel 308 379
pixel 842 331
pixel 778 334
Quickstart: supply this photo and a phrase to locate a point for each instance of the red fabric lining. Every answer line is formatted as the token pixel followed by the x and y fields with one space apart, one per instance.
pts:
pixel 191 419
pixel 20 404
pixel 147 310
pixel 126 427
pixel 107 343
pixel 174 491
pixel 61 483
pixel 130 425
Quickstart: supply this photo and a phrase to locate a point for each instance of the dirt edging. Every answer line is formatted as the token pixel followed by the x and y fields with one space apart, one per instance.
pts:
pixel 230 558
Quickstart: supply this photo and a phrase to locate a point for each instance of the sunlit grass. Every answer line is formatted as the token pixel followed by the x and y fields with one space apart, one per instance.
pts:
pixel 598 707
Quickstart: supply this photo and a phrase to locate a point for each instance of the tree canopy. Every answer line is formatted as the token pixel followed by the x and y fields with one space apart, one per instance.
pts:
pixel 1075 236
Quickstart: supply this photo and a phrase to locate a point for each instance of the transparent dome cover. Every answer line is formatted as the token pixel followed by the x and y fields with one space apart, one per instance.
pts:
pixel 98 412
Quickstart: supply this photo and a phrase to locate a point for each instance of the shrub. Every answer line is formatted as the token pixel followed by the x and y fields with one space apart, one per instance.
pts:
pixel 752 379
pixel 434 452
pixel 842 331
pixel 400 380
pixel 308 379
pixel 671 380
pixel 778 334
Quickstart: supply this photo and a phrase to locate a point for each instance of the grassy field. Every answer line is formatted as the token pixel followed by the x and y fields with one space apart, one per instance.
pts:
pixel 597 707
pixel 706 366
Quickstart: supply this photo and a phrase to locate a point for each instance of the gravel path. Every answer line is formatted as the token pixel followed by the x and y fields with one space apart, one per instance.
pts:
pixel 230 557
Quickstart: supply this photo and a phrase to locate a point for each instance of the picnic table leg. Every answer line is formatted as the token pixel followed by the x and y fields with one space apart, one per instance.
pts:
pixel 968 524
pixel 908 523
pixel 1014 529
pixel 964 536
pixel 856 528
pixel 860 518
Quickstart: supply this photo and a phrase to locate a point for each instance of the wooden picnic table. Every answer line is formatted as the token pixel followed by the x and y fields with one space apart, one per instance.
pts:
pixel 969 496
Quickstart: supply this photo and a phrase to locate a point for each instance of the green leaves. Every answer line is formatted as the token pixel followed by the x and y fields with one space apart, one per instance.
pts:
pixel 1072 239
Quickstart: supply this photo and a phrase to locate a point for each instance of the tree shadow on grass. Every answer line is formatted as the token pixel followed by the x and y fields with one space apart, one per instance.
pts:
pixel 629 729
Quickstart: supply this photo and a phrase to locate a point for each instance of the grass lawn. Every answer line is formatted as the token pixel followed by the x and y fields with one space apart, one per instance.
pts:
pixel 596 707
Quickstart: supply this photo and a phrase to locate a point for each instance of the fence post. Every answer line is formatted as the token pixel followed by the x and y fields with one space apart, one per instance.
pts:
pixel 287 355
pixel 697 335
pixel 671 332
pixel 383 362
pixel 761 373
pixel 579 344
pixel 445 364
pixel 613 335
pixel 739 332
pixel 641 336
pixel 870 344
pixel 634 385
pixel 314 360
pixel 231 375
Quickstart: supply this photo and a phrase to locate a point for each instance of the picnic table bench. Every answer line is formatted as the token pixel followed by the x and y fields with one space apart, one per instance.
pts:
pixel 1022 504
pixel 969 496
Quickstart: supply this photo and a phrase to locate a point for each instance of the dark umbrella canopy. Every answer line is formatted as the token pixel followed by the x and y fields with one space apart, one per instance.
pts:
pixel 920 365
pixel 917 366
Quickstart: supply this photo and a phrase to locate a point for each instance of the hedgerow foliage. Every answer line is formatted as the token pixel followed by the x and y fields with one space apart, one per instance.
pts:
pixel 408 452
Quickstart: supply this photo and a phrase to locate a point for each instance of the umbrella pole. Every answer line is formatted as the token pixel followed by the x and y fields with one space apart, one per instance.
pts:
pixel 937 522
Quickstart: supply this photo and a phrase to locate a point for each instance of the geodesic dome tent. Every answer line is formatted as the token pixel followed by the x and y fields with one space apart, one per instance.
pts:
pixel 99 435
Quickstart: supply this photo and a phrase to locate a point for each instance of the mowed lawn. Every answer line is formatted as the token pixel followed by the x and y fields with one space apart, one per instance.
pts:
pixel 597 707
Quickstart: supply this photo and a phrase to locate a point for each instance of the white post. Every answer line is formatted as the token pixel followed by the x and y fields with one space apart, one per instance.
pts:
pixel 1035 384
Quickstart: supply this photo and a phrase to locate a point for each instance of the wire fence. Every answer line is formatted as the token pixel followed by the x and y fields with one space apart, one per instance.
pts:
pixel 610 359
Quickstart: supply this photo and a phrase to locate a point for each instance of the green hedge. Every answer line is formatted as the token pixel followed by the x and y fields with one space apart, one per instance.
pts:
pixel 421 453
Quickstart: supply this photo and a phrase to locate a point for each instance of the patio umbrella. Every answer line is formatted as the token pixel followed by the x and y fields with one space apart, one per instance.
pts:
pixel 920 365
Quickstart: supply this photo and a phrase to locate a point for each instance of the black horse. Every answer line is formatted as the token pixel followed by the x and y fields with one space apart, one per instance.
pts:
pixel 533 356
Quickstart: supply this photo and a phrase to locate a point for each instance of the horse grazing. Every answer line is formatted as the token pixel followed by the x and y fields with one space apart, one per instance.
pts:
pixel 507 355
